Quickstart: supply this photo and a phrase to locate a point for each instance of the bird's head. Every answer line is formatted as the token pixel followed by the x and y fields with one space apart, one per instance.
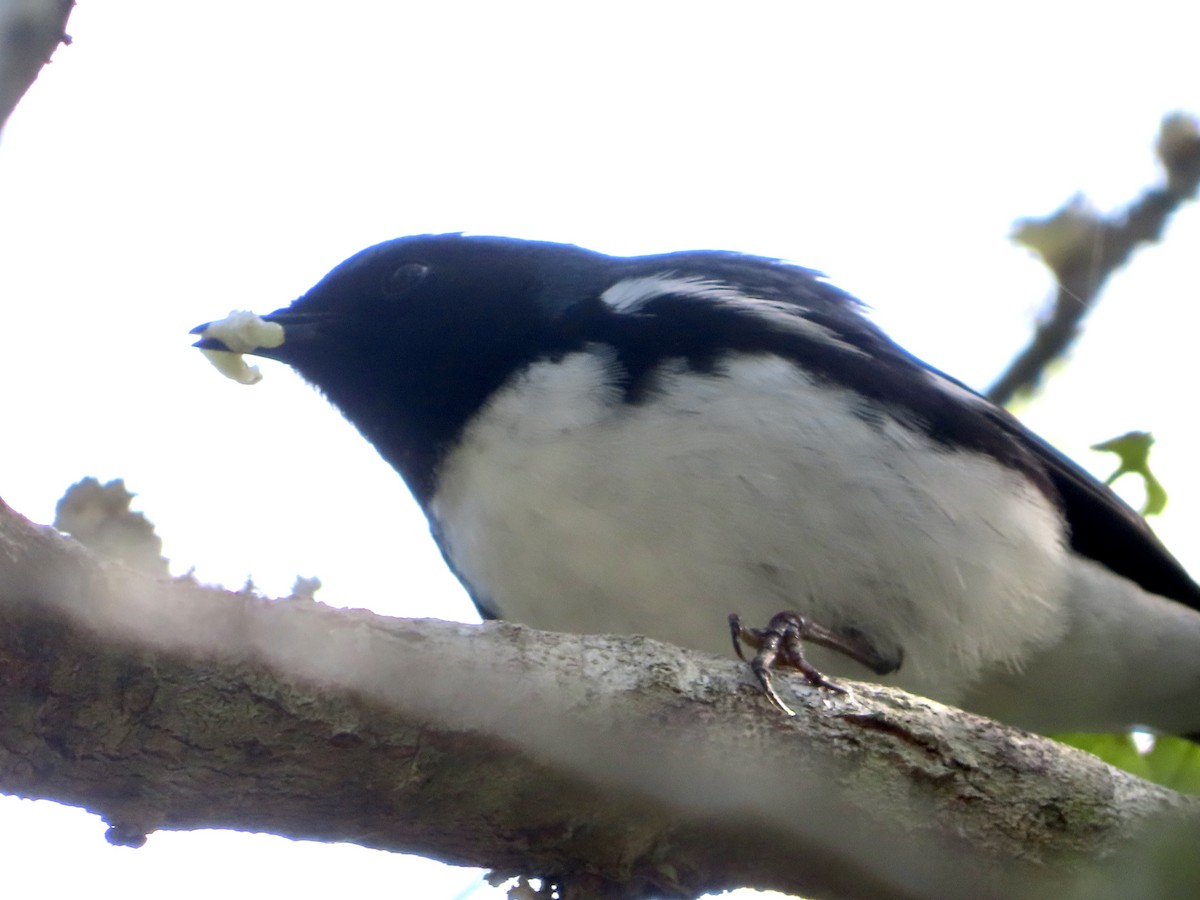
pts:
pixel 413 297
pixel 411 336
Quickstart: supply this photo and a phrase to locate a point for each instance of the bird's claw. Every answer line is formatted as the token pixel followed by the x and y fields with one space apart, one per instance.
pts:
pixel 781 645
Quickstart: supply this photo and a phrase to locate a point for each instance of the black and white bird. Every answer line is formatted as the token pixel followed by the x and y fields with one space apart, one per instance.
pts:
pixel 641 445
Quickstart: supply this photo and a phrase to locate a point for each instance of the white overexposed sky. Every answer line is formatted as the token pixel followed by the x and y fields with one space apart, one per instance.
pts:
pixel 179 161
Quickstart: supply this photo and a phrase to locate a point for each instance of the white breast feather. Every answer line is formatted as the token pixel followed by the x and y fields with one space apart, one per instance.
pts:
pixel 754 492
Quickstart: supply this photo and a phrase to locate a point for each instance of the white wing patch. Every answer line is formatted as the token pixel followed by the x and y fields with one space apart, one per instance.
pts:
pixel 631 295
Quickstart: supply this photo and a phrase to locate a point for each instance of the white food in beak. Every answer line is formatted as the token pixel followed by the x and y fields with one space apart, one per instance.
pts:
pixel 241 332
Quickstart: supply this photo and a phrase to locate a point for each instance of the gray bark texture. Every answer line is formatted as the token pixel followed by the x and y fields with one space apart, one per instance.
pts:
pixel 617 766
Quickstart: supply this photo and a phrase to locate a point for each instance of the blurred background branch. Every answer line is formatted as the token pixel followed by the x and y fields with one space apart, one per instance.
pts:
pixel 30 31
pixel 1082 249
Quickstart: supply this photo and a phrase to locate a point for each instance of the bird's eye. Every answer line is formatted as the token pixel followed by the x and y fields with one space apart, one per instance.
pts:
pixel 404 278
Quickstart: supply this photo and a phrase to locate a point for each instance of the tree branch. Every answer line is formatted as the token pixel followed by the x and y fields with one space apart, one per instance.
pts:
pixel 621 766
pixel 30 30
pixel 1083 249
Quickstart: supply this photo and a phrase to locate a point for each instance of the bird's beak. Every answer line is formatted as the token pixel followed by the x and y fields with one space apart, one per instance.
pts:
pixel 243 332
pixel 276 336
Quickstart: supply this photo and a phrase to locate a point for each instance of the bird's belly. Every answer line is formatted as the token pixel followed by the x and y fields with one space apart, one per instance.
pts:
pixel 751 491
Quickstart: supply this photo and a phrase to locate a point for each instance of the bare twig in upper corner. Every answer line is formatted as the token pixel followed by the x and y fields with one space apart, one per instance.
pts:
pixel 1083 249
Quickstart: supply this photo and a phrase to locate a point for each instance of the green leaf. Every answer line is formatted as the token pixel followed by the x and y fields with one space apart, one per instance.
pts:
pixel 1175 762
pixel 1133 451
pixel 1171 761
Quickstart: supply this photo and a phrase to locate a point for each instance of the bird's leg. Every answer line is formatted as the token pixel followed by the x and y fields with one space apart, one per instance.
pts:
pixel 781 645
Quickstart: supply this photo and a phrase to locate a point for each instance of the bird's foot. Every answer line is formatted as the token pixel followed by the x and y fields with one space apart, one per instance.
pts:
pixel 781 645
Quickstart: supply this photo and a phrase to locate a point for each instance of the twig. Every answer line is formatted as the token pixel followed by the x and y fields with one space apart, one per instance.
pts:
pixel 1083 249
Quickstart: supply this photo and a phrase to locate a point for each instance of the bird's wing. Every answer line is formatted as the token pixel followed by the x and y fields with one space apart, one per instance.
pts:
pixel 835 340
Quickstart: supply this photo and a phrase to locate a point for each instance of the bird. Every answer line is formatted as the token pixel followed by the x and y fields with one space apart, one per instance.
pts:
pixel 643 444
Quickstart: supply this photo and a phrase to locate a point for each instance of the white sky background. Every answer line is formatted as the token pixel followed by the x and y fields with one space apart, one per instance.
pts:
pixel 181 160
